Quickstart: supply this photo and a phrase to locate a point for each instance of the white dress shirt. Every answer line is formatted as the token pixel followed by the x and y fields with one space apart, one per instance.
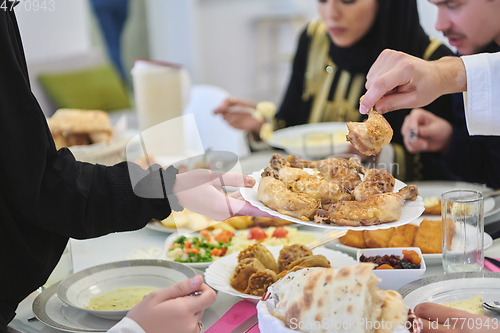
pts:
pixel 482 100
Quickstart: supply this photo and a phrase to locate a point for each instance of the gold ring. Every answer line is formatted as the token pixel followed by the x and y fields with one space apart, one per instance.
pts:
pixel 200 326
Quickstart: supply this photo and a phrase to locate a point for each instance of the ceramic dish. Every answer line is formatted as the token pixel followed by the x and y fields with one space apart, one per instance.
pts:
pixel 77 289
pixel 393 279
pixel 219 272
pixel 430 259
pixel 411 209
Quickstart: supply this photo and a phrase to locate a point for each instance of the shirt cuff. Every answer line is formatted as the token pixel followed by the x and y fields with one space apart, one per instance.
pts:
pixel 478 106
pixel 126 325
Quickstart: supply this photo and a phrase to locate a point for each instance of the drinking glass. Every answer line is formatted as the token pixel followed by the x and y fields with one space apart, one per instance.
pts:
pixel 462 213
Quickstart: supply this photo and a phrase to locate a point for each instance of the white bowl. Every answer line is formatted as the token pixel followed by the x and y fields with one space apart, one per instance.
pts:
pixel 77 289
pixel 393 279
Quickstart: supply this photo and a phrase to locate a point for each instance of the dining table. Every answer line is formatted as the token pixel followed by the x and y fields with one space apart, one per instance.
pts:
pixel 120 246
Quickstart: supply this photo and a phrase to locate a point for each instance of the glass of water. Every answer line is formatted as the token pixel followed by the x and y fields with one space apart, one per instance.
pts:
pixel 462 213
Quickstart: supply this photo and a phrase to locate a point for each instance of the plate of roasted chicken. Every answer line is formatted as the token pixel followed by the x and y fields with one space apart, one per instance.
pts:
pixel 334 193
pixel 248 273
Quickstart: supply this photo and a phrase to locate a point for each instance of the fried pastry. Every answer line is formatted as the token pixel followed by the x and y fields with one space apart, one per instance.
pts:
pixel 289 254
pixel 243 271
pixel 260 252
pixel 378 238
pixel 403 236
pixel 354 239
pixel 429 236
pixel 260 281
pixel 316 260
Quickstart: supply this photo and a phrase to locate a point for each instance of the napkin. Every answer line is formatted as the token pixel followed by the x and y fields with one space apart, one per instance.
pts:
pixel 240 312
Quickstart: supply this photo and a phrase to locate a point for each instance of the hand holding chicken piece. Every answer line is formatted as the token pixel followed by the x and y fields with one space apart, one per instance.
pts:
pixel 371 136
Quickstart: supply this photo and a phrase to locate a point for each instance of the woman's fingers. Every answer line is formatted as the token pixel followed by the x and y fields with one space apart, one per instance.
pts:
pixel 231 179
pixel 180 289
pixel 203 301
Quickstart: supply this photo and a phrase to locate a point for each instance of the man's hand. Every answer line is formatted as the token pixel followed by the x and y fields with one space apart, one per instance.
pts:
pixel 399 81
pixel 423 131
pixel 438 318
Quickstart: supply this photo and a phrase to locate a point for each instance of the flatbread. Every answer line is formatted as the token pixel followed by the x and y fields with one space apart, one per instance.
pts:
pixel 394 312
pixel 327 295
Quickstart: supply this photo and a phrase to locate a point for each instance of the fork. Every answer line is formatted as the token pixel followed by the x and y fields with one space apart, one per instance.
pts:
pixel 326 238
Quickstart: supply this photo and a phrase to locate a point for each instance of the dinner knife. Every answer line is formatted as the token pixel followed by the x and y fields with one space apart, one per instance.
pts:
pixel 246 325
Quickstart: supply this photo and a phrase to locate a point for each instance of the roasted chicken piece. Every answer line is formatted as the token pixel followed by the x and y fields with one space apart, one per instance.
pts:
pixel 341 171
pixel 260 252
pixel 378 208
pixel 316 260
pixel 290 253
pixel 316 187
pixel 243 271
pixel 274 194
pixel 376 181
pixel 371 136
pixel 260 281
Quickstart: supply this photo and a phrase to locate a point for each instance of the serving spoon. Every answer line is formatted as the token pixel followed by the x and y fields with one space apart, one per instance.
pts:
pixel 492 306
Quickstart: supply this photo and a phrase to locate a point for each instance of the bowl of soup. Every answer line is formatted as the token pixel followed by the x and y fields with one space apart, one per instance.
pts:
pixel 110 290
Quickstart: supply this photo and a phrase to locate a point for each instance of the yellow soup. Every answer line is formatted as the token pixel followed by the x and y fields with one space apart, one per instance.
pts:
pixel 119 299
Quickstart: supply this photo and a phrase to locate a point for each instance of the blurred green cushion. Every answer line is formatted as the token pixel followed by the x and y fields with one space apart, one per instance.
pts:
pixel 96 88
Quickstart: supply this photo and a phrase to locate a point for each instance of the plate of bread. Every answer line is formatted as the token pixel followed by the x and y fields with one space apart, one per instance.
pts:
pixel 423 233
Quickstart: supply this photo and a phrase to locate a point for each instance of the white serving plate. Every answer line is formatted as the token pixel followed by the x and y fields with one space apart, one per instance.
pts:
pixel 77 289
pixel 219 272
pixel 430 259
pixel 291 139
pixel 411 209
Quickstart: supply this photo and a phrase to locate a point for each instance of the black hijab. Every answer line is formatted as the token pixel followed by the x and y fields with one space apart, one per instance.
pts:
pixel 397 26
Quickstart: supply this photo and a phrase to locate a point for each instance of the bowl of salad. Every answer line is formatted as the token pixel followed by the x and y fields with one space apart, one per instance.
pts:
pixel 198 250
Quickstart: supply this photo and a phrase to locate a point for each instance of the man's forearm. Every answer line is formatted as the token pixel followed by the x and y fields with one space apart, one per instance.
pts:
pixel 451 74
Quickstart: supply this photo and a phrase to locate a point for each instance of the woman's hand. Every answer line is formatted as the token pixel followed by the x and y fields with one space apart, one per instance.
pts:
pixel 172 310
pixel 201 191
pixel 439 318
pixel 423 131
pixel 236 113
pixel 400 81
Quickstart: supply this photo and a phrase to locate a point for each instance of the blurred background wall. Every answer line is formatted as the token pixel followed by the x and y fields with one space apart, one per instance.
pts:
pixel 243 46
